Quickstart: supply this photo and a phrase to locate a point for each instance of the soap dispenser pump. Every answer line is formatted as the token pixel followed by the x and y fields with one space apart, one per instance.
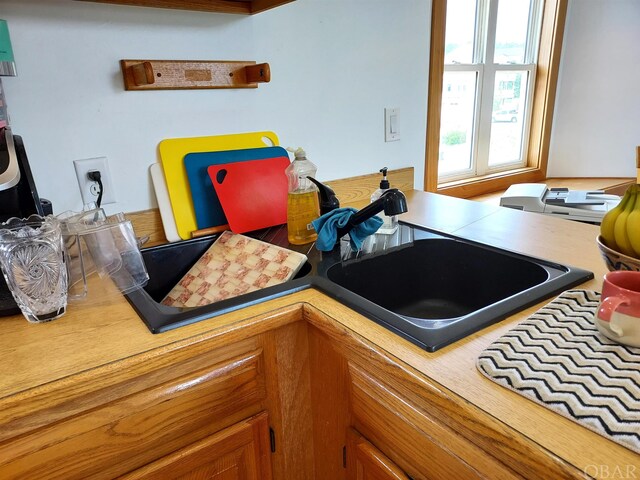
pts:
pixel 390 223
pixel 328 199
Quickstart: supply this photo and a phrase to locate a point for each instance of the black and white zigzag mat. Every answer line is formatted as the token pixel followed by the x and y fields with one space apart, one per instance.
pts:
pixel 557 358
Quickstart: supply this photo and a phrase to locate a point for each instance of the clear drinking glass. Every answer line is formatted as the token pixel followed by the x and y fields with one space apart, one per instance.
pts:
pixel 32 261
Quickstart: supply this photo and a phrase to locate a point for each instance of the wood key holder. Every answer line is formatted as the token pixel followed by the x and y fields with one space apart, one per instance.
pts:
pixel 189 74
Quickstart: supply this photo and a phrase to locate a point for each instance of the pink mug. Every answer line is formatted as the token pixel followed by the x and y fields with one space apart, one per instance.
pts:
pixel 618 314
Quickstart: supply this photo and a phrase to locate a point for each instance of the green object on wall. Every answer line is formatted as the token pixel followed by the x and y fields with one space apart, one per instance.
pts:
pixel 7 64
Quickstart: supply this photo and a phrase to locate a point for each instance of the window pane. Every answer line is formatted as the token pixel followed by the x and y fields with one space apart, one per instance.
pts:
pixel 460 30
pixel 511 31
pixel 510 93
pixel 456 121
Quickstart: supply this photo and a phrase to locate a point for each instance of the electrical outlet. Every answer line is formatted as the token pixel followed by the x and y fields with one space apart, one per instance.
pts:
pixel 90 189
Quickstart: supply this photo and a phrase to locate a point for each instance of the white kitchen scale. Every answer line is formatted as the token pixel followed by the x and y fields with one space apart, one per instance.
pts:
pixel 581 205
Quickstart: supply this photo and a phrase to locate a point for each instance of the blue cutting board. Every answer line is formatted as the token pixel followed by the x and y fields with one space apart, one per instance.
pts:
pixel 206 204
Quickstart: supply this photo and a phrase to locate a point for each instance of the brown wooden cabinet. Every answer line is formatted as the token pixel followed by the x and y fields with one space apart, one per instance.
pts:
pixel 242 7
pixel 366 462
pixel 402 427
pixel 164 410
pixel 240 452
pixel 376 408
pixel 299 396
pixel 208 410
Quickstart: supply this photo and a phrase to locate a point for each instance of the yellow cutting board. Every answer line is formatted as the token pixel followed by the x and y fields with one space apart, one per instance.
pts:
pixel 172 152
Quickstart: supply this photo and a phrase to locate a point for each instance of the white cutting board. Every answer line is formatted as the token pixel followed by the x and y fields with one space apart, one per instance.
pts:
pixel 164 203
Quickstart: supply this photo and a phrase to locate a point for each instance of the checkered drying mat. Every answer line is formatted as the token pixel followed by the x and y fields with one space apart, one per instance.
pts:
pixel 557 358
pixel 234 265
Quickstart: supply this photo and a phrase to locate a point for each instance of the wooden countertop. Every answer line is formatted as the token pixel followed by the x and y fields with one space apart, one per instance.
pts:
pixel 104 329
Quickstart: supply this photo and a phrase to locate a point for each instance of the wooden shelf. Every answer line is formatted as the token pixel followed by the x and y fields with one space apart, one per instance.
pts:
pixel 240 7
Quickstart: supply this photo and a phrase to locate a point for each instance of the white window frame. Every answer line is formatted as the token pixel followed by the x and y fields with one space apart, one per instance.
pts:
pixel 485 68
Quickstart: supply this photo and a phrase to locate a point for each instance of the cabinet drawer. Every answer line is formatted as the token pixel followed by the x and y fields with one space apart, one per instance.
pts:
pixel 240 452
pixel 127 433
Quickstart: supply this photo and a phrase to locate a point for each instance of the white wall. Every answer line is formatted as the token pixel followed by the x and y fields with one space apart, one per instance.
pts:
pixel 335 65
pixel 597 118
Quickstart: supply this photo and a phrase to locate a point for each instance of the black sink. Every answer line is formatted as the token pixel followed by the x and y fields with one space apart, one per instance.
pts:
pixel 168 263
pixel 436 290
pixel 439 278
pixel 429 288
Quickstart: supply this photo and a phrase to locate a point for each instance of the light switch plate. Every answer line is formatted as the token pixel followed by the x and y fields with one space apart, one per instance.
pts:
pixel 391 128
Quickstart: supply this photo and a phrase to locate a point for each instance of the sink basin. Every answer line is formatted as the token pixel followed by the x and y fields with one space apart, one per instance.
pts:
pixel 453 279
pixel 426 287
pixel 167 264
pixel 436 290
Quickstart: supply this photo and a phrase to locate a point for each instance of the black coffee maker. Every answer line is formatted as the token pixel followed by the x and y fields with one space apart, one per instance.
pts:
pixel 18 197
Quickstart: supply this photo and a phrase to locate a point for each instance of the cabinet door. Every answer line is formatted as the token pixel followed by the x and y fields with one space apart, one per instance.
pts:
pixel 240 452
pixel 366 462
pixel 176 405
pixel 399 422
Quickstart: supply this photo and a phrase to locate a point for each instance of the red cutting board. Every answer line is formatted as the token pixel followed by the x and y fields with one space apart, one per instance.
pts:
pixel 253 194
pixel 172 152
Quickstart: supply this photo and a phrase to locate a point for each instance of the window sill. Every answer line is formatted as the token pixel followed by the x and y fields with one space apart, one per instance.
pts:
pixel 490 183
pixel 612 185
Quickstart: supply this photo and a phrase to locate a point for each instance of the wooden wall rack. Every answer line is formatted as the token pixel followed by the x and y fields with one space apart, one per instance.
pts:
pixel 192 74
pixel 243 7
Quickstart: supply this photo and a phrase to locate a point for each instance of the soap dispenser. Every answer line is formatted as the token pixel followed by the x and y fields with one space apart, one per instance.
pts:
pixel 389 223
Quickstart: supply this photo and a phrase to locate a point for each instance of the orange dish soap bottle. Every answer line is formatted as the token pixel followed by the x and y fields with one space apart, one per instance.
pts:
pixel 302 200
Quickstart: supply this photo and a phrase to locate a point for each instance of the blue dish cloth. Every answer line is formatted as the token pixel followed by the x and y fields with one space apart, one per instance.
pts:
pixel 327 227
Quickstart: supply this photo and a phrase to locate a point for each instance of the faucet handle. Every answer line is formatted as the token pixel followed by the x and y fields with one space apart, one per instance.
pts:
pixel 328 199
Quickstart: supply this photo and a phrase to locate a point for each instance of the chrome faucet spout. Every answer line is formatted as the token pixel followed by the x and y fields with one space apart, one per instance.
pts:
pixel 392 202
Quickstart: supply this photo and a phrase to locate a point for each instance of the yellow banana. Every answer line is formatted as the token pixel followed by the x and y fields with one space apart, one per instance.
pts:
pixel 633 228
pixel 620 227
pixel 609 220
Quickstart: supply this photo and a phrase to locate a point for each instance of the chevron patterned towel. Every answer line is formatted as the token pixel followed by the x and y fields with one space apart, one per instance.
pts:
pixel 557 358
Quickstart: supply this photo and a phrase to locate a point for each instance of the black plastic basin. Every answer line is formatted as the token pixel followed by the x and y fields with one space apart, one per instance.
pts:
pixel 439 278
pixel 431 289
pixel 437 290
pixel 167 264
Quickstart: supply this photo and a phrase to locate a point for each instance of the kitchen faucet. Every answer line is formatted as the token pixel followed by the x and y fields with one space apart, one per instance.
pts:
pixel 392 201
